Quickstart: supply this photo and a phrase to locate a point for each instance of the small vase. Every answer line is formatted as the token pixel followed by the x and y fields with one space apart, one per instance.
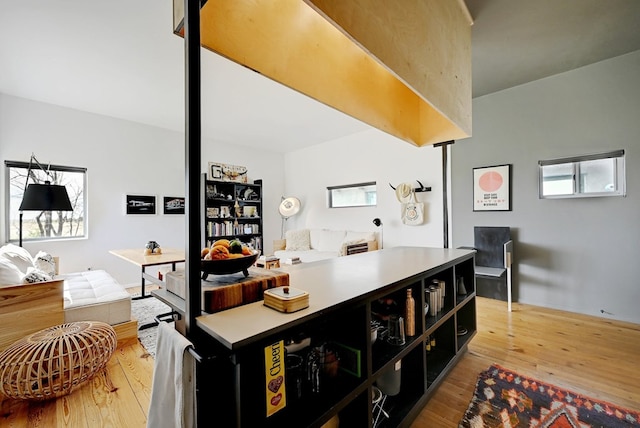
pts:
pixel 462 291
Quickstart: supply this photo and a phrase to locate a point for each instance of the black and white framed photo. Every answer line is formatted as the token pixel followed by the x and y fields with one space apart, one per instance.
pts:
pixel 141 204
pixel 173 205
pixel 492 188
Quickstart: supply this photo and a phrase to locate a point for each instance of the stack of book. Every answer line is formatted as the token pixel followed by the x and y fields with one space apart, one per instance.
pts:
pixel 292 261
pixel 267 258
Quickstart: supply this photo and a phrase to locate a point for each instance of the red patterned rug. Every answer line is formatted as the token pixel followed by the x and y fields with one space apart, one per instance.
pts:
pixel 504 398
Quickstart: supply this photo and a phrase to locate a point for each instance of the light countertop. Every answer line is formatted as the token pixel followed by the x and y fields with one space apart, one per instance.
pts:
pixel 330 284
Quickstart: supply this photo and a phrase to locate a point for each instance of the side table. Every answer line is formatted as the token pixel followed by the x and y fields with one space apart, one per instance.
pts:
pixel 169 256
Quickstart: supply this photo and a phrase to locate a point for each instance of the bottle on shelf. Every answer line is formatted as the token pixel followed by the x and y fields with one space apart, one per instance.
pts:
pixel 410 314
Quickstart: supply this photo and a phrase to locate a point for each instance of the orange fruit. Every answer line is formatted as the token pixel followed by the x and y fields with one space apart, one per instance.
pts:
pixel 219 252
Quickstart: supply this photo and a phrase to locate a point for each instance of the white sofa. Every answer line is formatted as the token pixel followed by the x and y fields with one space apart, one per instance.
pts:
pixel 30 288
pixel 311 245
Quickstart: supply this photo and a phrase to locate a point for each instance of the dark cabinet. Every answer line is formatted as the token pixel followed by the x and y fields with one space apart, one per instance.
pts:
pixel 379 382
pixel 232 211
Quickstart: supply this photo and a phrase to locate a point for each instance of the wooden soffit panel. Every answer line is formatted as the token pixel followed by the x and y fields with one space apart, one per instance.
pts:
pixel 426 44
pixel 402 67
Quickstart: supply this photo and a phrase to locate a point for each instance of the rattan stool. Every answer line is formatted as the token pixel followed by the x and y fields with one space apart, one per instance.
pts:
pixel 51 362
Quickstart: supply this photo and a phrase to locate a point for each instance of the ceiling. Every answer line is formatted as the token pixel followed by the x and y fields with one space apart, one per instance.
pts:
pixel 120 58
pixel 519 41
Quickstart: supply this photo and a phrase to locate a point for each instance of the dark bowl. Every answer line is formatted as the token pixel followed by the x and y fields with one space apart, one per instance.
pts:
pixel 228 266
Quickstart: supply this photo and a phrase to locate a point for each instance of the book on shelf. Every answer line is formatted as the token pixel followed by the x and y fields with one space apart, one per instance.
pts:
pixel 268 258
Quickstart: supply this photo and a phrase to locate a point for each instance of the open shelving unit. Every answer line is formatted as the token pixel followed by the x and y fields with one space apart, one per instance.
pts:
pixel 348 394
pixel 233 210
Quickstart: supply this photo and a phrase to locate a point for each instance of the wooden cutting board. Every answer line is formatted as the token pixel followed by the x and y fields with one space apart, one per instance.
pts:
pixel 220 292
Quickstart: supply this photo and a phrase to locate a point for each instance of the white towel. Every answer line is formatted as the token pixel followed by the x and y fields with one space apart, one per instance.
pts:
pixel 173 392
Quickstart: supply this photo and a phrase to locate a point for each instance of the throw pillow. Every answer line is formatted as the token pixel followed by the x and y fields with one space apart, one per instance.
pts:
pixel 35 275
pixel 45 263
pixel 353 236
pixel 9 273
pixel 298 240
pixel 18 256
pixel 331 240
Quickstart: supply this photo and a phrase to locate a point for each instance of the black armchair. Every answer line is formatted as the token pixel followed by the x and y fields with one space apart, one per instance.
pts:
pixel 494 258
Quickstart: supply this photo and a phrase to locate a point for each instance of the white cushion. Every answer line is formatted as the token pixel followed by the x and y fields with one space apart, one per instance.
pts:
pixel 298 240
pixel 314 237
pixel 331 240
pixel 18 256
pixel 9 273
pixel 95 296
pixel 357 236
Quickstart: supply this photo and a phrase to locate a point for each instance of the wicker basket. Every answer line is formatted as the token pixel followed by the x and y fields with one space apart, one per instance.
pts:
pixel 51 362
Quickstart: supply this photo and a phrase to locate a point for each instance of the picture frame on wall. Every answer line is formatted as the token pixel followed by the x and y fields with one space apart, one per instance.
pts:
pixel 225 172
pixel 140 204
pixel 173 205
pixel 492 188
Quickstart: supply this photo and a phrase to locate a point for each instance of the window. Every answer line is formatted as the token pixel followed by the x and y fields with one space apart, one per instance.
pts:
pixel 41 225
pixel 583 176
pixel 353 195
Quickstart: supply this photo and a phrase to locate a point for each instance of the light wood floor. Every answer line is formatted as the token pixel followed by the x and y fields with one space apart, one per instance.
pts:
pixel 589 355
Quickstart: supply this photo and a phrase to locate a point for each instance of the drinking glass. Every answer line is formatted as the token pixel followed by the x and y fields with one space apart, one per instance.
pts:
pixel 396 330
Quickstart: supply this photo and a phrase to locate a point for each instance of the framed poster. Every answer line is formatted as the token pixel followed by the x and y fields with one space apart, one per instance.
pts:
pixel 173 205
pixel 492 188
pixel 141 204
pixel 224 172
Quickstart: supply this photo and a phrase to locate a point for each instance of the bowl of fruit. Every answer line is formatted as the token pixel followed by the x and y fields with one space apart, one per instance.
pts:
pixel 226 257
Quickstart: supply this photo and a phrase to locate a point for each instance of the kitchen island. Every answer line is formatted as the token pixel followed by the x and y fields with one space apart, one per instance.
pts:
pixel 342 367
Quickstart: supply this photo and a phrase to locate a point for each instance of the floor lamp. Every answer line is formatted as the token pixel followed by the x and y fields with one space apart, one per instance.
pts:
pixel 43 197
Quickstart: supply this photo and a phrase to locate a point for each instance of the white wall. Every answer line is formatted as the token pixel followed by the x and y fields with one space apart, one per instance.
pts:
pixel 121 158
pixel 579 255
pixel 366 156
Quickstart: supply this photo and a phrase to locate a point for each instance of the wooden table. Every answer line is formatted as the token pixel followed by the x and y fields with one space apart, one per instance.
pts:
pixel 139 258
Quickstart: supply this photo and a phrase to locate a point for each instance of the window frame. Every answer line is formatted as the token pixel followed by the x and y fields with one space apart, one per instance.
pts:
pixel 37 170
pixel 576 176
pixel 331 199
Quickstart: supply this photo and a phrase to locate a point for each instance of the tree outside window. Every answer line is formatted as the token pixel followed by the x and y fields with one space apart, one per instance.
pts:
pixel 45 225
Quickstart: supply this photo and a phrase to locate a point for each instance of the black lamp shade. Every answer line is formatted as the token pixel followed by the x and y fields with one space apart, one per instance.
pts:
pixel 45 197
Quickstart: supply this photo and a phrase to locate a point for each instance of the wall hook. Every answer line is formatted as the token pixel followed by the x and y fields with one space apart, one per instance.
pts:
pixel 422 188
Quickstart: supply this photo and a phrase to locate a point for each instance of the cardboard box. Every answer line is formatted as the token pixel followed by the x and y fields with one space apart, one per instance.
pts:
pixel 175 283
